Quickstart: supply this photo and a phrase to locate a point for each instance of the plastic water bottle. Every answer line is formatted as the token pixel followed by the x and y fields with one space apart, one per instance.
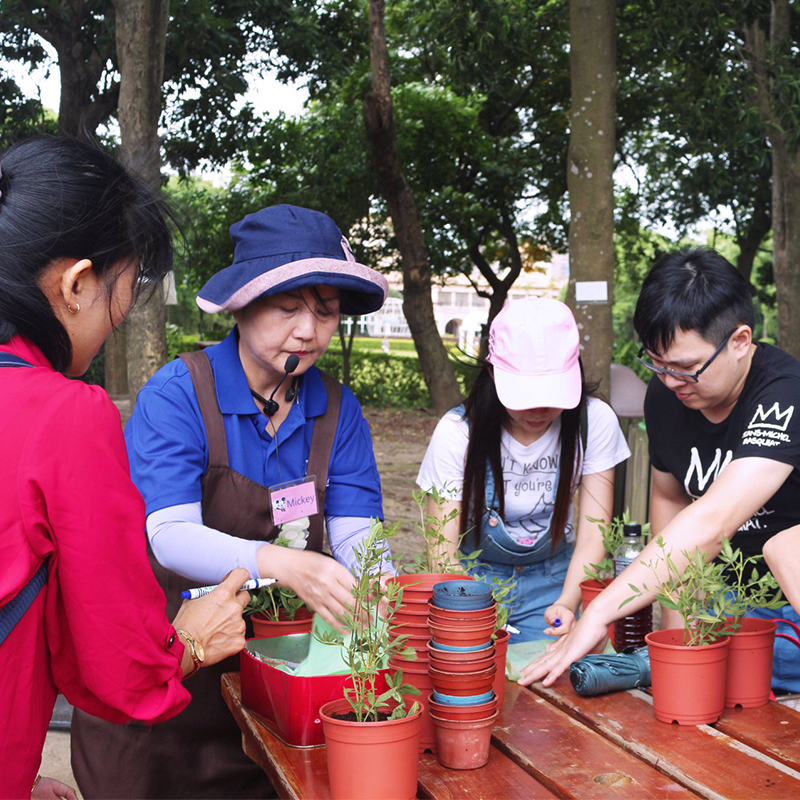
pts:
pixel 631 630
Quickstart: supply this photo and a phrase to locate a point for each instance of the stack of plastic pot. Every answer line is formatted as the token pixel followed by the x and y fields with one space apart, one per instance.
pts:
pixel 462 666
pixel 411 620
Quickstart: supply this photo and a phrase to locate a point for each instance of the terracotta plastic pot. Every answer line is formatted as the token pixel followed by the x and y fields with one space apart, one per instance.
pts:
pixel 589 590
pixel 480 711
pixel 457 657
pixel 419 643
pixel 371 760
pixel 462 637
pixel 418 589
pixel 416 674
pixel 460 618
pixel 263 628
pixel 688 683
pixel 750 663
pixel 410 629
pixel 500 652
pixel 468 595
pixel 421 653
pixel 463 667
pixel 464 744
pixel 463 684
pixel 454 613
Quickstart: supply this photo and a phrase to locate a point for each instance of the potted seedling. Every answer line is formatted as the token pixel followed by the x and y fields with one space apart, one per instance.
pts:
pixel 752 639
pixel 372 735
pixel 276 610
pixel 436 563
pixel 688 665
pixel 599 575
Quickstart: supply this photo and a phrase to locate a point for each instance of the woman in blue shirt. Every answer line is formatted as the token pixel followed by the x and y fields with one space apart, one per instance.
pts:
pixel 213 439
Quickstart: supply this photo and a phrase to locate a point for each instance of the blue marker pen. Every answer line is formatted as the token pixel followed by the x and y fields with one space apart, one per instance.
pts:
pixel 257 583
pixel 556 623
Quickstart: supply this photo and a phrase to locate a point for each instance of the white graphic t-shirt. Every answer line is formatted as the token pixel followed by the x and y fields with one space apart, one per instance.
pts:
pixel 530 472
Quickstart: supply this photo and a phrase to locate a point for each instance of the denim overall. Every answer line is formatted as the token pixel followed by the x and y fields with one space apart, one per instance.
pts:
pixel 539 573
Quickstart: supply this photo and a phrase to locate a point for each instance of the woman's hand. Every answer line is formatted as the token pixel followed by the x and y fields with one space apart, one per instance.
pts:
pixel 51 789
pixel 215 619
pixel 588 633
pixel 319 580
pixel 565 615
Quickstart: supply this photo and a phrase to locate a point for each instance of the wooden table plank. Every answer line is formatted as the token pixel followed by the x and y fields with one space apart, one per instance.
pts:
pixel 710 762
pixel 571 759
pixel 295 773
pixel 303 773
pixel 500 778
pixel 773 729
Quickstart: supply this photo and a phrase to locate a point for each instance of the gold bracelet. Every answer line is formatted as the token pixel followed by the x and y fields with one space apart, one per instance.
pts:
pixel 35 784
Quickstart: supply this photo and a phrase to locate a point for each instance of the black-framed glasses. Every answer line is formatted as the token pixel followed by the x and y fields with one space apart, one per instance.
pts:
pixel 683 376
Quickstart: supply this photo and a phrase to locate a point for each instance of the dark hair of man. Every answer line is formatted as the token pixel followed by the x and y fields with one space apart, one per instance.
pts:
pixel 694 289
pixel 62 198
pixel 487 417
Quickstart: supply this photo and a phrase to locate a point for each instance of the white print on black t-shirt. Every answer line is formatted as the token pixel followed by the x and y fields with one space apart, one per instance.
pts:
pixel 760 417
pixel 753 523
pixel 763 433
pixel 704 476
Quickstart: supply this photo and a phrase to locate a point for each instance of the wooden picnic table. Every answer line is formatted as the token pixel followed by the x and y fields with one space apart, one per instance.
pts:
pixel 553 743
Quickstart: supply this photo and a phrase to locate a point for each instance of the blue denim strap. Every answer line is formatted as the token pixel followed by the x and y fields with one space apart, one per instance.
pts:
pixel 13 611
pixel 10 360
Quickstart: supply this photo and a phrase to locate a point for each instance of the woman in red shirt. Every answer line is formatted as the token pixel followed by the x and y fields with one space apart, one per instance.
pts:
pixel 77 237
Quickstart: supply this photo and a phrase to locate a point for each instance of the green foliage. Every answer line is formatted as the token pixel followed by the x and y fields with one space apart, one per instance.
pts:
pixel 501 594
pixel 430 527
pixel 698 592
pixel 368 647
pixel 381 379
pixel 274 602
pixel 612 538
pixel 21 117
pixel 748 593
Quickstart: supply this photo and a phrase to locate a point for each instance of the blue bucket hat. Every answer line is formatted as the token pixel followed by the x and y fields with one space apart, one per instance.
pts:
pixel 284 248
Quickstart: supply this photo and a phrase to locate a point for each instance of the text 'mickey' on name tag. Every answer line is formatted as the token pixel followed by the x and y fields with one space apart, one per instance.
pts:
pixel 293 499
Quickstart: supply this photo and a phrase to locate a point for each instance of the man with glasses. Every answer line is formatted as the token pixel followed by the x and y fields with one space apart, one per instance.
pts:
pixel 724 440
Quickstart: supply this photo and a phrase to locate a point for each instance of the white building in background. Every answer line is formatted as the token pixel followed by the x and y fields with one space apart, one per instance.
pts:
pixel 458 308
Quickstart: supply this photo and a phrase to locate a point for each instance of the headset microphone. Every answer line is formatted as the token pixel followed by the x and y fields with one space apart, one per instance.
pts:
pixel 271 406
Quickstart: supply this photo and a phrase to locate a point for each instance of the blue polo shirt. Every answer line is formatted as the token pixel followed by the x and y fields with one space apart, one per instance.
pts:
pixel 168 447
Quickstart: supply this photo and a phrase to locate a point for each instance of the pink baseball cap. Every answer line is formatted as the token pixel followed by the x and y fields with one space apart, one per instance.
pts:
pixel 534 347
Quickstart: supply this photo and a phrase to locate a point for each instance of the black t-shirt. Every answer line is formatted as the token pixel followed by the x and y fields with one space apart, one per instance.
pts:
pixel 763 423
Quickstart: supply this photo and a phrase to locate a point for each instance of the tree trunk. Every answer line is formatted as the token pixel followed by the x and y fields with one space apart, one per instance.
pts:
pixel 750 239
pixel 437 369
pixel 116 362
pixel 590 168
pixel 763 63
pixel 141 38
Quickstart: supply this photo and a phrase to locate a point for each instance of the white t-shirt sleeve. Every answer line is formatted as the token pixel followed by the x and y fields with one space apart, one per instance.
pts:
pixel 443 465
pixel 605 446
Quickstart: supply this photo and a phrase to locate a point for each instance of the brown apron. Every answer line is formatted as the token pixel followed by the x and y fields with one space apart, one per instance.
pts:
pixel 198 754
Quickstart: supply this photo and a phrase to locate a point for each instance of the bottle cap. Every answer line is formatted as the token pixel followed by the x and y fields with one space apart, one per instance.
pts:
pixel 632 529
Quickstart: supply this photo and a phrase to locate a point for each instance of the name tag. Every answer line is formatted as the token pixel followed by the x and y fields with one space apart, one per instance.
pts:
pixel 293 499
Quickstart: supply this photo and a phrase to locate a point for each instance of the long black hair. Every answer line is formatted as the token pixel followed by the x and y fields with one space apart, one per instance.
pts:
pixel 486 417
pixel 62 198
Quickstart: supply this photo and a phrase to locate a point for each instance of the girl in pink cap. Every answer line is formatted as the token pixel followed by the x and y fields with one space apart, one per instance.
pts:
pixel 511 458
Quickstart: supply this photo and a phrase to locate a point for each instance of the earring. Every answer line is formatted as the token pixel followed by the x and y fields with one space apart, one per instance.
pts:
pixel 74 310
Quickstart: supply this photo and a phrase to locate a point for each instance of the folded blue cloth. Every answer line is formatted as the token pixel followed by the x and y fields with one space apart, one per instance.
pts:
pixel 600 674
